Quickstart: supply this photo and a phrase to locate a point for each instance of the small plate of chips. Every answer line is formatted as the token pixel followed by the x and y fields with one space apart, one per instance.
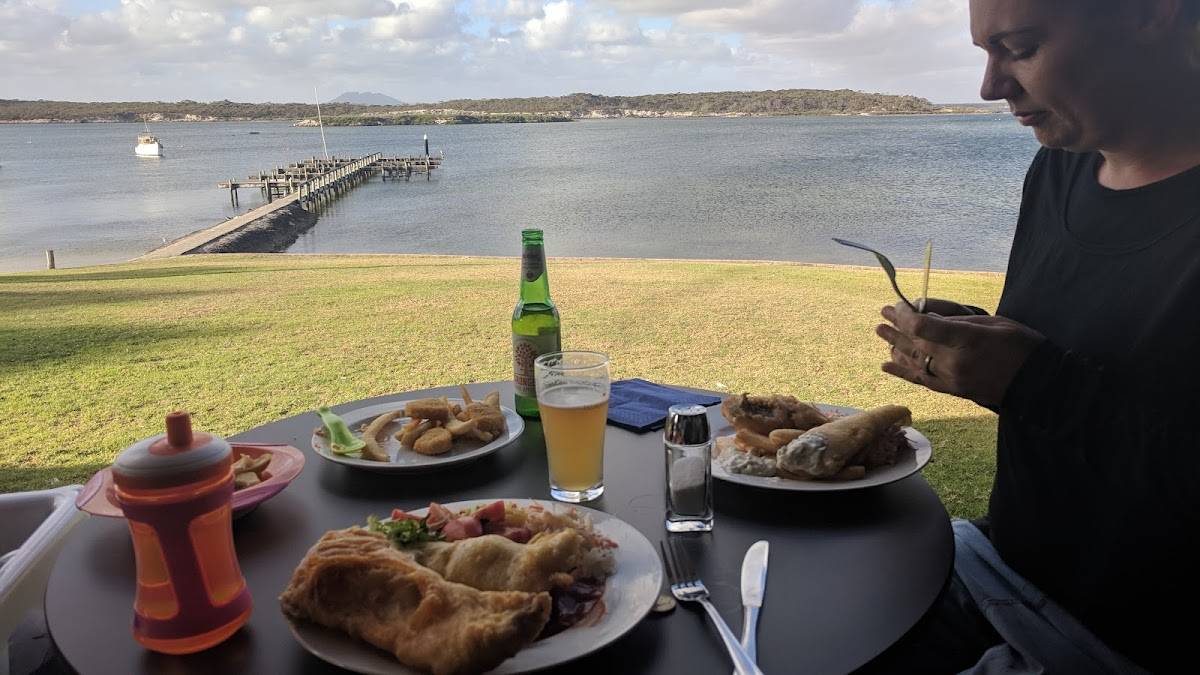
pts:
pixel 403 433
pixel 261 471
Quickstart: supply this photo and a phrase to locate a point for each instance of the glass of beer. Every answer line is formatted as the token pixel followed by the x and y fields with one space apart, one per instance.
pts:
pixel 572 396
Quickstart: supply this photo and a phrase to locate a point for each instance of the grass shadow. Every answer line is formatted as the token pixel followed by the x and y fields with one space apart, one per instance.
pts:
pixel 25 347
pixel 25 478
pixel 67 275
pixel 53 299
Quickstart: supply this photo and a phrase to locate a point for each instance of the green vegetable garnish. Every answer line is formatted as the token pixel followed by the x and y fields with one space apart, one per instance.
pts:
pixel 341 440
pixel 403 532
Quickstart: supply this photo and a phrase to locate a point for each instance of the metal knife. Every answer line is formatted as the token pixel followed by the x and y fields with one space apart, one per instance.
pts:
pixel 754 585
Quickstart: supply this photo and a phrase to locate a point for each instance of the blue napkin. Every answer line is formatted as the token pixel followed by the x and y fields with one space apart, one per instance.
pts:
pixel 641 406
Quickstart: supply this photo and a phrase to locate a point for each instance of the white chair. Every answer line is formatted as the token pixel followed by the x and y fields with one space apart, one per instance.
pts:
pixel 35 526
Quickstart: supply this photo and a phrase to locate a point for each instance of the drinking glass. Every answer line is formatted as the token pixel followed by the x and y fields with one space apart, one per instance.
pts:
pixel 572 395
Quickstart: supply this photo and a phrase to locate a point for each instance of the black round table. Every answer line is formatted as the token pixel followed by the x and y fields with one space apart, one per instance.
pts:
pixel 849 572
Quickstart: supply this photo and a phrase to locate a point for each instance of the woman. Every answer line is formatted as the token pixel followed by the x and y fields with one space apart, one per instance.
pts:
pixel 1092 361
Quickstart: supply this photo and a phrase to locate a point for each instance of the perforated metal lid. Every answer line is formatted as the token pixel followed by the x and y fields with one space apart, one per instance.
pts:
pixel 175 458
pixel 686 424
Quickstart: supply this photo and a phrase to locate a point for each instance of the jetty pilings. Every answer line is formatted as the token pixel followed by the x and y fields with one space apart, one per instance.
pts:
pixel 310 183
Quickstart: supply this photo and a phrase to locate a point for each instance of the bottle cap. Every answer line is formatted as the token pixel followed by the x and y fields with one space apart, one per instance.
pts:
pixel 686 425
pixel 178 457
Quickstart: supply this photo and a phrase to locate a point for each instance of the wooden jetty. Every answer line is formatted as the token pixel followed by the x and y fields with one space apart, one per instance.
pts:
pixel 311 182
pixel 320 179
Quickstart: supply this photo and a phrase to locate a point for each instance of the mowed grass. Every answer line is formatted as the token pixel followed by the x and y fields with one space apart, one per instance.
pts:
pixel 91 359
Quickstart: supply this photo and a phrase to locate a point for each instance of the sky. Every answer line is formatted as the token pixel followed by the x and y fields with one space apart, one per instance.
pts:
pixel 433 50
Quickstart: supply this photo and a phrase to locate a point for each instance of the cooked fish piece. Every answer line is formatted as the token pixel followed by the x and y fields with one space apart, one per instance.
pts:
pixel 764 414
pixel 824 451
pixel 496 563
pixel 428 409
pixel 354 581
pixel 434 442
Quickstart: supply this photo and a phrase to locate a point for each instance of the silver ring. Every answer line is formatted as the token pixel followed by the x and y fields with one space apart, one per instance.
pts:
pixel 928 361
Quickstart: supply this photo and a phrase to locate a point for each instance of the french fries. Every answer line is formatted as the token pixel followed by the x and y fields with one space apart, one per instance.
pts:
pixel 437 424
pixel 248 470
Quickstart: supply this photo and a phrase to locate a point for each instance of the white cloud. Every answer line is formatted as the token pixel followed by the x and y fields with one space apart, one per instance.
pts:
pixel 427 50
pixel 418 20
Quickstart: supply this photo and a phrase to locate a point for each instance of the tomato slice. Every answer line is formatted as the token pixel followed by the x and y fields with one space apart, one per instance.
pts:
pixel 492 513
pixel 438 516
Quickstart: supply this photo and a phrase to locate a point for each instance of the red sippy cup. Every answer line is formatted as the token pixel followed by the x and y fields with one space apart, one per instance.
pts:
pixel 176 492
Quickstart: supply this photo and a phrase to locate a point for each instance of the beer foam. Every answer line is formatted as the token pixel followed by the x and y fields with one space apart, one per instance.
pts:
pixel 573 397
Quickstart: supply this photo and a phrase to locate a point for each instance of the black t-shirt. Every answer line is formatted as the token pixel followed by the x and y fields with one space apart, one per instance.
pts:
pixel 1097 493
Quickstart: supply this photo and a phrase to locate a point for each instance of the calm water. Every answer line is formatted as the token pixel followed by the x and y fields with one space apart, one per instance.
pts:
pixel 773 188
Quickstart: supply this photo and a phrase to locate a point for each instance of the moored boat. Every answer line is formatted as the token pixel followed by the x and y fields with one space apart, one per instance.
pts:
pixel 148 146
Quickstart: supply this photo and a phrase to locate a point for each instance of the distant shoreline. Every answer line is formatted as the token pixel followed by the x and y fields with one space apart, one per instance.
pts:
pixel 577 106
pixel 305 122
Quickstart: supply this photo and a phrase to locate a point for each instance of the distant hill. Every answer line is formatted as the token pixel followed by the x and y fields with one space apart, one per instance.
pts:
pixel 467 111
pixel 365 98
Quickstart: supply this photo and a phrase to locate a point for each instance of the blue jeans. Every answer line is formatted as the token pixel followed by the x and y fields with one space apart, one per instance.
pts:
pixel 989 620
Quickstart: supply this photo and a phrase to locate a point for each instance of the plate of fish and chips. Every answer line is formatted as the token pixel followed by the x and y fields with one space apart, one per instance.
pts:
pixel 781 443
pixel 417 435
pixel 498 586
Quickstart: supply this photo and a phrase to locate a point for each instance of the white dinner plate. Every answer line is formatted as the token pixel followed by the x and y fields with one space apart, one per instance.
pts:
pixel 908 463
pixel 628 597
pixel 407 461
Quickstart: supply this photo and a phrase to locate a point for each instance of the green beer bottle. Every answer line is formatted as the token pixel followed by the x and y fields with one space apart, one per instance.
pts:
pixel 535 323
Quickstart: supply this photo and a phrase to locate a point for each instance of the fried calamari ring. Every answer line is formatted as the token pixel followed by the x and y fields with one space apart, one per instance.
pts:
pixel 761 445
pixel 781 437
pixel 410 434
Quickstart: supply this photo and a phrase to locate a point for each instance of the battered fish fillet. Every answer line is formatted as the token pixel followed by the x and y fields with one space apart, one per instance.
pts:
pixel 495 563
pixel 764 414
pixel 823 451
pixel 354 581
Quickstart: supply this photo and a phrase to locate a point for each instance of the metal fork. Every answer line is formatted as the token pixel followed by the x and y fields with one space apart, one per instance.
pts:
pixel 888 268
pixel 687 587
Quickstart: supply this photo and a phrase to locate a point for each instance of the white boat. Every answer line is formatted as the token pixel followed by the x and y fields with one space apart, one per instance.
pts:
pixel 148 146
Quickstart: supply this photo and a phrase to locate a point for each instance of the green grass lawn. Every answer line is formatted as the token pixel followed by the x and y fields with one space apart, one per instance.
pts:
pixel 91 358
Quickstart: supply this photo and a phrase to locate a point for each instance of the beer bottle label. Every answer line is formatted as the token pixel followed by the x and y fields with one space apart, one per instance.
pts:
pixel 532 263
pixel 526 348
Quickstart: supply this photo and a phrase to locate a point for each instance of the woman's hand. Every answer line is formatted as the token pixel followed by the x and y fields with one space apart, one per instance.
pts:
pixel 974 357
pixel 946 308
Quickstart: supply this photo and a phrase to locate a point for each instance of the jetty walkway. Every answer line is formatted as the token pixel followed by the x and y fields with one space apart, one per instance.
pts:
pixel 309 183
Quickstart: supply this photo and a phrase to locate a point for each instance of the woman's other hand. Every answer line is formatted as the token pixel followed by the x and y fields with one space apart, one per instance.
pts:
pixel 974 357
pixel 948 308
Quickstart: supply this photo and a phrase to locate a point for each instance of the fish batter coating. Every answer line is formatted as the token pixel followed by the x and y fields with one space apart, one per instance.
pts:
pixel 437 409
pixel 434 442
pixel 354 581
pixel 494 563
pixel 764 414
pixel 825 450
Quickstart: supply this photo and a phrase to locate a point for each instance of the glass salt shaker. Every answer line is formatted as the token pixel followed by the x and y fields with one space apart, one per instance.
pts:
pixel 688 450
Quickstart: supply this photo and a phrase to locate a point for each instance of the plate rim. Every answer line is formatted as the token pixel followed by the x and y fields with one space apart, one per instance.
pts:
pixel 296 627
pixel 922 454
pixel 511 417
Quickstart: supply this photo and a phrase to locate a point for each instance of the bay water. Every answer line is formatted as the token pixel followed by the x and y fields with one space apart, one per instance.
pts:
pixel 707 188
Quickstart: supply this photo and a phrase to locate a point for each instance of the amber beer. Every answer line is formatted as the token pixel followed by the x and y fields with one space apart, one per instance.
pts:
pixel 572 392
pixel 573 423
